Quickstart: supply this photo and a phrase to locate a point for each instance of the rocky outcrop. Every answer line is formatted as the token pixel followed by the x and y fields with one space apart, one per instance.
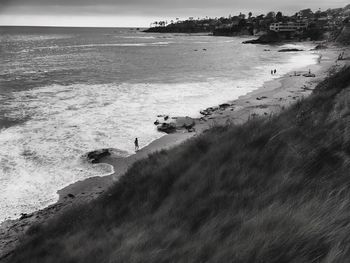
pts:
pixel 185 123
pixel 171 125
pixel 309 75
pixel 269 38
pixel 96 156
pixel 224 105
pixel 167 127
pixel 209 111
pixel 290 50
pixel 320 46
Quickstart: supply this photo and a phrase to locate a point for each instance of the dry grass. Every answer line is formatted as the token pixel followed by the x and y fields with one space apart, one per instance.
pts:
pixel 272 190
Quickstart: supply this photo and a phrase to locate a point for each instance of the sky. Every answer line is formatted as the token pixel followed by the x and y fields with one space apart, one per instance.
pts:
pixel 140 13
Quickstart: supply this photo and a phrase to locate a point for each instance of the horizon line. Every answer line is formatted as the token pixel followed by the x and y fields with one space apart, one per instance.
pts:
pixel 67 26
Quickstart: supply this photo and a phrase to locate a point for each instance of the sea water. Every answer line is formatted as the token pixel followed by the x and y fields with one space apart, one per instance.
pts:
pixel 67 91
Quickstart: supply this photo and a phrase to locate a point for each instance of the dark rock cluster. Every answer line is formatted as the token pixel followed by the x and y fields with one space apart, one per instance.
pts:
pixel 96 156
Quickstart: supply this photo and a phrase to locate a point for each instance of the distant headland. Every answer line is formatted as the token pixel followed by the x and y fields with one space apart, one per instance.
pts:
pixel 274 26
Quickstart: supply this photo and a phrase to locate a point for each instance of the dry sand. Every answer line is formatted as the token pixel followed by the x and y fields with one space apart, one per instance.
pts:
pixel 273 97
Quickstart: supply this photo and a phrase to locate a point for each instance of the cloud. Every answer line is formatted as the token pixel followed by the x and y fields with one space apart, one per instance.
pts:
pixel 169 4
pixel 157 9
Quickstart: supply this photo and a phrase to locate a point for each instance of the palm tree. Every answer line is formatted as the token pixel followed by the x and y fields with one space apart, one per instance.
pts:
pixel 279 16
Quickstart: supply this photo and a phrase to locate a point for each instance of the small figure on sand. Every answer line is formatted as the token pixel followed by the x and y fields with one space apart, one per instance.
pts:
pixel 319 58
pixel 271 72
pixel 341 56
pixel 274 72
pixel 136 144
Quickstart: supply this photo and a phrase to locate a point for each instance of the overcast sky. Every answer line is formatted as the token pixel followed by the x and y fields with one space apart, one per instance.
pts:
pixel 140 12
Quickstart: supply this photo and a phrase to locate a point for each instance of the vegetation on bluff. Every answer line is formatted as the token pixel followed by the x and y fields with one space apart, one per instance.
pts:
pixel 272 190
pixel 344 36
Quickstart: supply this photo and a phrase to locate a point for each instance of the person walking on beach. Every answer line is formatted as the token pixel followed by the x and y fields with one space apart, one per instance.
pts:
pixel 136 144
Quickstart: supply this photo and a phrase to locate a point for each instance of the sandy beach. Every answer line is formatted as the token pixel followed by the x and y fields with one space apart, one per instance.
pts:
pixel 270 99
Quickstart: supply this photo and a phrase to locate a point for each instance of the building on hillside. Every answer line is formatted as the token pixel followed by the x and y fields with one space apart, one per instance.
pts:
pixel 288 27
pixel 233 24
pixel 323 23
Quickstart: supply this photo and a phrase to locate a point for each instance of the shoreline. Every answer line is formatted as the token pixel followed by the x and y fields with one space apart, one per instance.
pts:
pixel 271 98
pixel 274 96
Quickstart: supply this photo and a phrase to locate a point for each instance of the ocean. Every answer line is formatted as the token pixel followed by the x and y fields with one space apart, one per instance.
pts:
pixel 67 91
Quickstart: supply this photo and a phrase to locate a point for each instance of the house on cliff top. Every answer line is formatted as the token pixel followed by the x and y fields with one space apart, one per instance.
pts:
pixel 288 27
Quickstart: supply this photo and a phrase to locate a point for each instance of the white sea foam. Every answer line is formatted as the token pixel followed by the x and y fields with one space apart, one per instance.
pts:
pixel 293 45
pixel 105 45
pixel 136 37
pixel 28 38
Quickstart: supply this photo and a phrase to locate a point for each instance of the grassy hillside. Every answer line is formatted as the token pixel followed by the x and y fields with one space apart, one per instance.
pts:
pixel 273 190
pixel 344 36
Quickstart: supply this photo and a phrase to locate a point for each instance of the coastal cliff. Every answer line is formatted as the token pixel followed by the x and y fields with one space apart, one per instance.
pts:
pixel 344 36
pixel 268 38
pixel 233 193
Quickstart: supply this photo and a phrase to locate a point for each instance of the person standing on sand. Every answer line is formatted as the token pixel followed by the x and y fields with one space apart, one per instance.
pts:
pixel 136 144
pixel 271 72
pixel 319 58
pixel 274 72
